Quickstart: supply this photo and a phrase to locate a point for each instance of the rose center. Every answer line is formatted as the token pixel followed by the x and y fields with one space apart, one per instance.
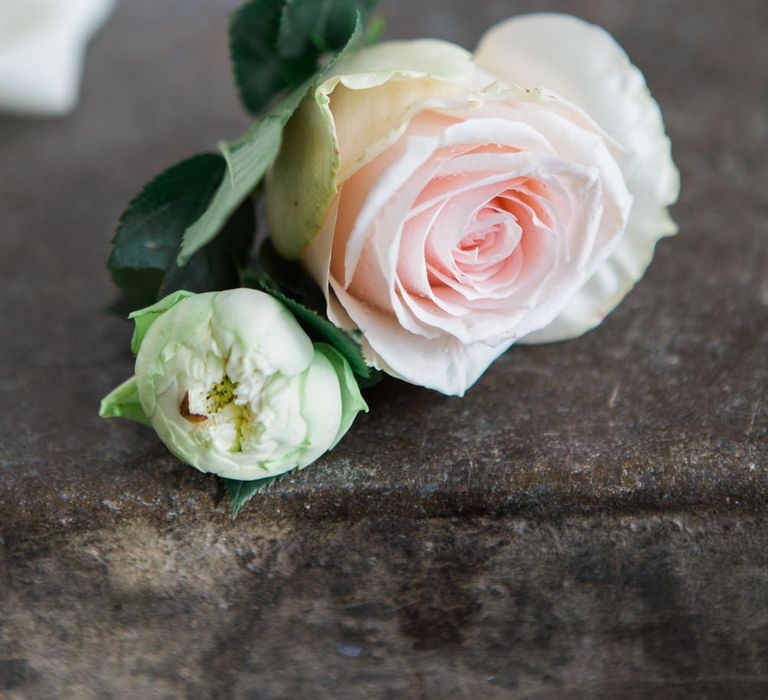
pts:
pixel 228 419
pixel 475 239
pixel 490 238
pixel 220 395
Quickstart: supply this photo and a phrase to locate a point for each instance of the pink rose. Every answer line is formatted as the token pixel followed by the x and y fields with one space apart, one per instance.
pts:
pixel 450 205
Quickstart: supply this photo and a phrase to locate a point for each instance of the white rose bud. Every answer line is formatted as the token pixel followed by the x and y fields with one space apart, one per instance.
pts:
pixel 232 385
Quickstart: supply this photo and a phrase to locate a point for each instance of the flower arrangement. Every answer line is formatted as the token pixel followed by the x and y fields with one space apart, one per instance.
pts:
pixel 426 209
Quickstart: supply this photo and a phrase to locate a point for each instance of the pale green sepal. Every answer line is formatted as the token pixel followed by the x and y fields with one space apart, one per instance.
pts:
pixel 144 318
pixel 352 401
pixel 123 402
pixel 303 181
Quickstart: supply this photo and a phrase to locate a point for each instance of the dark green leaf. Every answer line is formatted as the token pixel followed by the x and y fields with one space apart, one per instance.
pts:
pixel 150 232
pixel 261 71
pixel 249 158
pixel 140 288
pixel 290 278
pixel 240 492
pixel 375 378
pixel 217 265
pixel 315 27
pixel 150 229
pixel 277 45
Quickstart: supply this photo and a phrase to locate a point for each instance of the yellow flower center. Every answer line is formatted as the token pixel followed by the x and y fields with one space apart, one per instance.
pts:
pixel 221 394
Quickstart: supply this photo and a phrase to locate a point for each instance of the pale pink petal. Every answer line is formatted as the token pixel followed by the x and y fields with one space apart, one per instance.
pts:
pixel 585 65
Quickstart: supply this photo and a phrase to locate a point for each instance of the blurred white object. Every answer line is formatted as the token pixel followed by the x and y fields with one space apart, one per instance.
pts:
pixel 42 49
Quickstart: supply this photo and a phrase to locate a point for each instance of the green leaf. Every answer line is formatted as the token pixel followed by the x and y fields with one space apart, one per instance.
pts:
pixel 277 45
pixel 288 283
pixel 123 402
pixel 218 265
pixel 150 231
pixel 314 27
pixel 249 158
pixel 289 278
pixel 247 161
pixel 240 492
pixel 140 287
pixel 261 71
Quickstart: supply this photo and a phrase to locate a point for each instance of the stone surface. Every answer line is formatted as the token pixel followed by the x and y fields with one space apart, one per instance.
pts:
pixel 585 523
pixel 392 607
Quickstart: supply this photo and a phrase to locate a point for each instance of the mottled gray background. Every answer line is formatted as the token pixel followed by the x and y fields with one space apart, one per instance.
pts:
pixel 588 523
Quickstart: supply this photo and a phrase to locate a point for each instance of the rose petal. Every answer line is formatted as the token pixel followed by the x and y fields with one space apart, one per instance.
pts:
pixel 412 357
pixel 388 83
pixel 584 64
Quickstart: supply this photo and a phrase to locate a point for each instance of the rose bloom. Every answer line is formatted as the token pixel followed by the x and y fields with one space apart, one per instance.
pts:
pixel 451 205
pixel 232 384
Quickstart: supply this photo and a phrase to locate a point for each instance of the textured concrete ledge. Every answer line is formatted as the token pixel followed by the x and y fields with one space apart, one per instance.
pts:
pixel 637 608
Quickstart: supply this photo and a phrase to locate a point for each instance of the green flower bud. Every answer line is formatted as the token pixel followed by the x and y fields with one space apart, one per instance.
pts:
pixel 232 384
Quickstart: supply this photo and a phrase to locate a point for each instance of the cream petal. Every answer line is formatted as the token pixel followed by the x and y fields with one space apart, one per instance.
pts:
pixel 584 64
pixel 261 325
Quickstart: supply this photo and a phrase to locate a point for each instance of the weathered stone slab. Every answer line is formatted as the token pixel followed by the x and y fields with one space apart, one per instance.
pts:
pixel 644 608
